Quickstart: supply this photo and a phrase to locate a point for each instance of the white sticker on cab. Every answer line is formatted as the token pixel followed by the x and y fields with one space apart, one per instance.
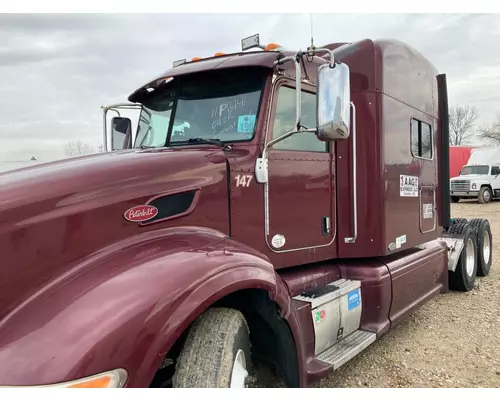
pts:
pixel 408 186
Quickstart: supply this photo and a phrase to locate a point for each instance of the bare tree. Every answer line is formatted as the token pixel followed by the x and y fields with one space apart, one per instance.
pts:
pixel 76 148
pixel 462 120
pixel 491 133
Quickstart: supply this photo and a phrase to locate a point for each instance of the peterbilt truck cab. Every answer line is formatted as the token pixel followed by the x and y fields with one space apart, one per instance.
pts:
pixel 285 206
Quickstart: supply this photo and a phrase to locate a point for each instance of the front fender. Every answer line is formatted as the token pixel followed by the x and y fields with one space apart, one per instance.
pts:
pixel 124 306
pixel 479 183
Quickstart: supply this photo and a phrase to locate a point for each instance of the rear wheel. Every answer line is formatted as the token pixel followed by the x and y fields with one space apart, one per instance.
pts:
pixel 484 195
pixel 484 245
pixel 459 221
pixel 216 353
pixel 464 276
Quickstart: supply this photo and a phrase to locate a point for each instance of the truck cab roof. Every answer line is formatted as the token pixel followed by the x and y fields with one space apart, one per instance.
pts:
pixel 264 59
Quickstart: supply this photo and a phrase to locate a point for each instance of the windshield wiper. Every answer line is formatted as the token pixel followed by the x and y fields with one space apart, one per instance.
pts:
pixel 217 142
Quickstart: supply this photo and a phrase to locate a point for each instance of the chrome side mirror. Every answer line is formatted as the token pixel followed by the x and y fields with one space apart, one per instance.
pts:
pixel 333 102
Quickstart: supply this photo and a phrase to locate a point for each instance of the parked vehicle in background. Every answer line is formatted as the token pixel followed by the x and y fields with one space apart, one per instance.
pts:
pixel 479 178
pixel 459 155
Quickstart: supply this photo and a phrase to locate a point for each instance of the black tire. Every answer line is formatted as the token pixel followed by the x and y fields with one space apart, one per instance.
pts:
pixel 459 279
pixel 484 245
pixel 455 199
pixel 484 195
pixel 459 221
pixel 209 353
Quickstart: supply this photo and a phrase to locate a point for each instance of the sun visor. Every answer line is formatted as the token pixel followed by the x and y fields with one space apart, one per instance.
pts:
pixel 254 59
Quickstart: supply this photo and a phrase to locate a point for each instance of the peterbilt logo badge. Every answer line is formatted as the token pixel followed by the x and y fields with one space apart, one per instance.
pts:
pixel 140 213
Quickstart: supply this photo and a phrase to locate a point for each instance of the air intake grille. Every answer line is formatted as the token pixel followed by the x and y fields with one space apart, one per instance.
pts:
pixel 463 185
pixel 172 205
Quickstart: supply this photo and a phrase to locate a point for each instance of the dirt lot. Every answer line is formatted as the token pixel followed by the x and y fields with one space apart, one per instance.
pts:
pixel 452 341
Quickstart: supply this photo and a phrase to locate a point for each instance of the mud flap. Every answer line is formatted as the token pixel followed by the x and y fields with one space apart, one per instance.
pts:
pixel 454 247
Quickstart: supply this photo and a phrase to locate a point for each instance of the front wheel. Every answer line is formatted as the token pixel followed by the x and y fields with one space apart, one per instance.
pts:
pixel 484 195
pixel 216 353
pixel 455 199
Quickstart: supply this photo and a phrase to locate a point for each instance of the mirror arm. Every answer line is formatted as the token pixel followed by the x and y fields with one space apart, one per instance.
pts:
pixel 298 84
pixel 284 60
pixel 105 128
pixel 312 50
pixel 105 109
pixel 283 137
pixel 298 93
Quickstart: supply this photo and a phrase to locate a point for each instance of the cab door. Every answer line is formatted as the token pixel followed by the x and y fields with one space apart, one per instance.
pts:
pixel 300 181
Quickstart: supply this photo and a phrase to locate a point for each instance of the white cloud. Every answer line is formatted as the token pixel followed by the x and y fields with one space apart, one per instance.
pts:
pixel 57 70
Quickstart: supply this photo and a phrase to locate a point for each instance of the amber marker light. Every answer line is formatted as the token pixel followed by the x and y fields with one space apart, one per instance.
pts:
pixel 111 379
pixel 272 46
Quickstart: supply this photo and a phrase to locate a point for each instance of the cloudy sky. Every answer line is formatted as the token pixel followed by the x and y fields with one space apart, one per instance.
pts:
pixel 57 70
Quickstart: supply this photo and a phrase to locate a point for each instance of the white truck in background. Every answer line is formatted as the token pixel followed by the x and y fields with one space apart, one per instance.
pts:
pixel 479 178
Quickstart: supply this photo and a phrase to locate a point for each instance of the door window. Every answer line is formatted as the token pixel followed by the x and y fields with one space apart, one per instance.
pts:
pixel 284 121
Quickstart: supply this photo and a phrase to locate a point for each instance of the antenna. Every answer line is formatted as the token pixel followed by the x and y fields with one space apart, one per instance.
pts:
pixel 312 35
pixel 311 48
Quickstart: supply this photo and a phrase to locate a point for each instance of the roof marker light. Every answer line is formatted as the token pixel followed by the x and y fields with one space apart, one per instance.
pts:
pixel 272 46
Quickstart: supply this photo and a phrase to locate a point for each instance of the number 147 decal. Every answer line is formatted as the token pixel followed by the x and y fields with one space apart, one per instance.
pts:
pixel 243 180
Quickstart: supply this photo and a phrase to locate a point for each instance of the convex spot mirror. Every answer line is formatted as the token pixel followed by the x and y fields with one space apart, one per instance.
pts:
pixel 121 133
pixel 333 102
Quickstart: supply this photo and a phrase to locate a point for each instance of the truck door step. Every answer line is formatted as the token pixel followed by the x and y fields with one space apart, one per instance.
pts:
pixel 347 348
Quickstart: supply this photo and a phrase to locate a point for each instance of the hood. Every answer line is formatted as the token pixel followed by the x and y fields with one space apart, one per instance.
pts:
pixel 54 215
pixel 469 177
pixel 101 174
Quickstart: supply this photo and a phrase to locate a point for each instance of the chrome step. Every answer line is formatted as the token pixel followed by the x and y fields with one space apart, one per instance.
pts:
pixel 347 348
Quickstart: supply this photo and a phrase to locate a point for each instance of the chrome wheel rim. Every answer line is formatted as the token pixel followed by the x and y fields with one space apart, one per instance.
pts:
pixel 486 247
pixel 239 373
pixel 486 195
pixel 471 257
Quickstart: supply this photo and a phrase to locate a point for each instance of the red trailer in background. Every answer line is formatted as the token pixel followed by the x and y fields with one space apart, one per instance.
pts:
pixel 459 155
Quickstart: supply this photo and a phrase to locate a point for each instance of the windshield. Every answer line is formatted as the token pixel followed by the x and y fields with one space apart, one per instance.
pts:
pixel 221 106
pixel 475 170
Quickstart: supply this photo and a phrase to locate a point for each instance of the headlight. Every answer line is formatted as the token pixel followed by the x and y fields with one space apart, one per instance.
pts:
pixel 110 379
pixel 474 186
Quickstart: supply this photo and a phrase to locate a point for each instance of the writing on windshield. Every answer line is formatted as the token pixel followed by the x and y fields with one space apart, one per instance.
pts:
pixel 221 106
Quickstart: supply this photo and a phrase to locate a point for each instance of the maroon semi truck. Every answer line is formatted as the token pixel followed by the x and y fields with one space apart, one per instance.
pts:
pixel 286 207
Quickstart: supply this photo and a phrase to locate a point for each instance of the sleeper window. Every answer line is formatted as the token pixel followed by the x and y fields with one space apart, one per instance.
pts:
pixel 421 139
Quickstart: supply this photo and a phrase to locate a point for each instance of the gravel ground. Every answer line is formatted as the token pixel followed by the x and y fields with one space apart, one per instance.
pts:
pixel 452 341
